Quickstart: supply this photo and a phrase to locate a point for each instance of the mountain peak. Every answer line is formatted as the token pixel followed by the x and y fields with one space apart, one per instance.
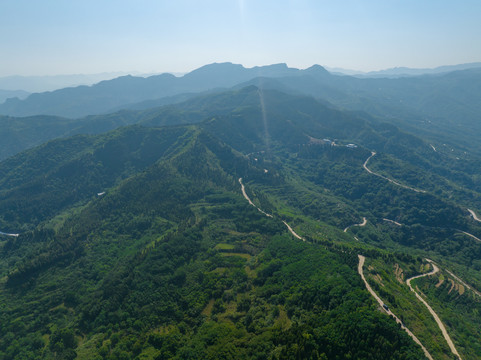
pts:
pixel 278 66
pixel 317 69
pixel 215 68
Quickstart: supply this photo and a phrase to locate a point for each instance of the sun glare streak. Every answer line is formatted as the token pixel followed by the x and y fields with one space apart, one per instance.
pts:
pixel 241 10
pixel 264 119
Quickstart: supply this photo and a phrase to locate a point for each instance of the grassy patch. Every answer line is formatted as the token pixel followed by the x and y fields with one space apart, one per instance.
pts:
pixel 244 256
pixel 224 247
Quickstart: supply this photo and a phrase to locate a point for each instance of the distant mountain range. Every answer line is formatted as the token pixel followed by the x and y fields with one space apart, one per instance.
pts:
pixel 404 71
pixel 110 94
pixel 446 103
pixel 446 99
pixel 5 94
pixel 52 82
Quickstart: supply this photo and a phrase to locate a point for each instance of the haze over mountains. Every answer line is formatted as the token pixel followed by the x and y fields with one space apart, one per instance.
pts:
pixel 6 94
pixel 34 84
pixel 447 102
pixel 344 91
pixel 131 234
pixel 104 96
pixel 405 71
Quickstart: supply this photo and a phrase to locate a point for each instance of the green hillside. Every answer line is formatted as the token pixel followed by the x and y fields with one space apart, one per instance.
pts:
pixel 173 262
pixel 139 243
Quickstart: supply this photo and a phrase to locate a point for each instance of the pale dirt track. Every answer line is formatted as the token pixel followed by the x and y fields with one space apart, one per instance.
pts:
pixel 473 214
pixel 266 214
pixel 470 235
pixel 249 200
pixel 368 287
pixel 364 222
pixel 392 221
pixel 7 234
pixel 435 316
pixel 292 231
pixel 386 178
pixel 389 312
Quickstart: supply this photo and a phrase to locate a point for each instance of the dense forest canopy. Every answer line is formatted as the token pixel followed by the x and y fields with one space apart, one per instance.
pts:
pixel 128 235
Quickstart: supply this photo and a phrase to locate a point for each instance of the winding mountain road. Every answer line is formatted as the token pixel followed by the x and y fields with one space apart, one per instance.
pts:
pixel 364 222
pixel 373 153
pixel 292 231
pixel 266 214
pixel 470 235
pixel 250 201
pixel 389 312
pixel 473 214
pixel 434 315
pixel 368 287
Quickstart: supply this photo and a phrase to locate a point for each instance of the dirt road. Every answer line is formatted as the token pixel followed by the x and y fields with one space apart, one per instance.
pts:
pixel 473 214
pixel 249 200
pixel 389 312
pixel 266 214
pixel 373 153
pixel 364 222
pixel 470 235
pixel 435 316
pixel 293 232
pixel 7 234
pixel 392 221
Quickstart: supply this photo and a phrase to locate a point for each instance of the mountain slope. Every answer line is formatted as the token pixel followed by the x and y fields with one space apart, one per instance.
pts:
pixel 39 183
pixel 436 105
pixel 173 263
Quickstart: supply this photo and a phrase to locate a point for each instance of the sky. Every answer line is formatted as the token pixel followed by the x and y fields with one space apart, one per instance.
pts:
pixel 52 37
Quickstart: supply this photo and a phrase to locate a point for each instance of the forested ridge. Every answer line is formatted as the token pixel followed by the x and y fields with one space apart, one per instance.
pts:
pixel 138 243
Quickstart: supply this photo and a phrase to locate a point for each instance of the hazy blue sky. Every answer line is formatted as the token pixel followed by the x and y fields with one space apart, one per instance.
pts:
pixel 90 36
